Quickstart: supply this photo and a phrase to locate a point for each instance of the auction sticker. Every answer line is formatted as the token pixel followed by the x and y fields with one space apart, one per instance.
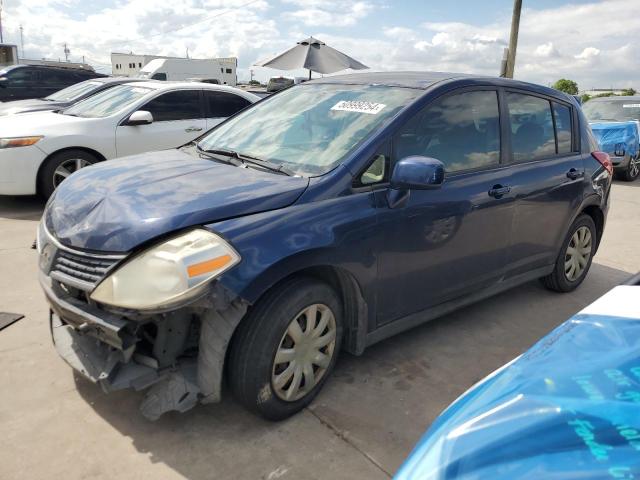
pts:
pixel 359 107
pixel 631 105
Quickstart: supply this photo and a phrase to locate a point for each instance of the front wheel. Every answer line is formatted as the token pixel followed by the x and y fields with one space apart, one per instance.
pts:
pixel 286 348
pixel 633 170
pixel 575 257
pixel 59 166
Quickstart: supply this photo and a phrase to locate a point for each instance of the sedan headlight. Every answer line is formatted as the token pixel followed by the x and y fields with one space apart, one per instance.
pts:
pixel 13 142
pixel 168 273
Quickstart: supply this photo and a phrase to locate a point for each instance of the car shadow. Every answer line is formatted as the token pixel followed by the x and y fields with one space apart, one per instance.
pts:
pixel 21 208
pixel 380 403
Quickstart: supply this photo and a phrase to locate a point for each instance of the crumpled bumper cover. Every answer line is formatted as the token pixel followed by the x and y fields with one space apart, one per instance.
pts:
pixel 101 347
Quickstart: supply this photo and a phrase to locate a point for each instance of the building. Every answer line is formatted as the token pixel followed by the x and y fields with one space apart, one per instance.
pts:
pixel 130 64
pixel 602 91
pixel 8 54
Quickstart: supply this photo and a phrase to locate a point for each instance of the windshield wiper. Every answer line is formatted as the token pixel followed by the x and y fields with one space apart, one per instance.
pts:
pixel 248 159
pixel 224 153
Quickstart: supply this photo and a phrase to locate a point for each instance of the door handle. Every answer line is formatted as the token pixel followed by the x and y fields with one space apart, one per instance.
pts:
pixel 193 129
pixel 574 174
pixel 498 191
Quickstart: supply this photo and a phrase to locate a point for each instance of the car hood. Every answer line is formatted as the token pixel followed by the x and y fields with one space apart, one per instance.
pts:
pixel 610 134
pixel 38 123
pixel 33 105
pixel 119 204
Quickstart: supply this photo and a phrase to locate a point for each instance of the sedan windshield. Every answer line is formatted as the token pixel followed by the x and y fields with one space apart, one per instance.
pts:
pixel 73 92
pixel 309 129
pixel 612 110
pixel 107 103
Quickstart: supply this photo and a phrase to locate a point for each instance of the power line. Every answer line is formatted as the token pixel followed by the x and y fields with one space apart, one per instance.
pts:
pixel 186 26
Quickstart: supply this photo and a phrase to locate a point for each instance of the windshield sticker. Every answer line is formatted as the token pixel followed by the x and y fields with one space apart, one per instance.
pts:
pixel 631 105
pixel 359 107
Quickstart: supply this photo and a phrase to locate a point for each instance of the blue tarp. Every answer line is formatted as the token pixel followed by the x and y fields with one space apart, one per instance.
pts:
pixel 617 138
pixel 568 408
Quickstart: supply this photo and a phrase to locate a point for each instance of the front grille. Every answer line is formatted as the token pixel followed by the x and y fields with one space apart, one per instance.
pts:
pixel 90 269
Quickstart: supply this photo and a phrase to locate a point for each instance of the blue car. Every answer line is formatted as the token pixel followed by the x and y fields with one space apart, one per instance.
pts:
pixel 615 122
pixel 326 217
pixel 568 408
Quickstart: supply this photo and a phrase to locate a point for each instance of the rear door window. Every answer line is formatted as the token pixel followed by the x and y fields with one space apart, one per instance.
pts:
pixel 223 104
pixel 562 118
pixel 179 105
pixel 532 135
pixel 461 130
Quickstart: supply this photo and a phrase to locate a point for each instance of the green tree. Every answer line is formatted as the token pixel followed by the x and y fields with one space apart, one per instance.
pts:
pixel 628 92
pixel 566 86
pixel 585 98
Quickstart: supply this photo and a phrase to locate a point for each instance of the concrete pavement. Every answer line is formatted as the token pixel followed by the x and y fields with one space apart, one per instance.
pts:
pixel 364 423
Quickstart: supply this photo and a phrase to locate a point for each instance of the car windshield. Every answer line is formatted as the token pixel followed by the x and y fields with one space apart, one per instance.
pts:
pixel 310 128
pixel 618 110
pixel 107 103
pixel 73 92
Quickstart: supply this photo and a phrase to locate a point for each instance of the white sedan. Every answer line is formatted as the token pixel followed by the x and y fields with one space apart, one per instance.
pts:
pixel 39 150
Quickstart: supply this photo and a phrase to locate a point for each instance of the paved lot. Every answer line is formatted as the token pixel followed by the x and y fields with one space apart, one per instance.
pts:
pixel 370 414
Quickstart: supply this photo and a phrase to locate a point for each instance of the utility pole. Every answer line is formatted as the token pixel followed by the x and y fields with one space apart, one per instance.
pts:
pixel 1 38
pixel 251 76
pixel 66 52
pixel 513 38
pixel 22 41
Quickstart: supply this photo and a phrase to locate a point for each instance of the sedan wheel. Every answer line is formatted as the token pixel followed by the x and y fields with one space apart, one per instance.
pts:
pixel 304 353
pixel 66 168
pixel 578 254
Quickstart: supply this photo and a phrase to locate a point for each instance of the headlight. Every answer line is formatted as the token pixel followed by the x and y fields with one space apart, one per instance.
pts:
pixel 19 141
pixel 169 273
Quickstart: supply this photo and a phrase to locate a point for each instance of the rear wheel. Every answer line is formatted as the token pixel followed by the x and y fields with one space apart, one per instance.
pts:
pixel 286 348
pixel 575 257
pixel 59 166
pixel 633 170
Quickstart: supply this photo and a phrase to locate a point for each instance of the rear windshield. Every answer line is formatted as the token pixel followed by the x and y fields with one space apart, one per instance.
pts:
pixel 73 92
pixel 612 110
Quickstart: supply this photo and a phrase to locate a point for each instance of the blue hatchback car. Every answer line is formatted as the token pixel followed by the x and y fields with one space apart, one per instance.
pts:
pixel 327 217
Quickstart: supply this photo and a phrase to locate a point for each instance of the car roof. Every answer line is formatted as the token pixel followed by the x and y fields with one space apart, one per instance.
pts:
pixel 424 80
pixel 171 85
pixel 616 98
pixel 117 80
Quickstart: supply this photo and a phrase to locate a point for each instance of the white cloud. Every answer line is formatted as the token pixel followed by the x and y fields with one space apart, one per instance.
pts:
pixel 333 13
pixel 582 42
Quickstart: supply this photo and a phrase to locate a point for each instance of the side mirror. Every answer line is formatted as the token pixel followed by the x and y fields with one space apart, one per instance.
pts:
pixel 417 173
pixel 141 117
pixel 3 82
pixel 414 173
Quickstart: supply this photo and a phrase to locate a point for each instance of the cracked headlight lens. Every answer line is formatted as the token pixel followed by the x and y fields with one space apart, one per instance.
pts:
pixel 168 273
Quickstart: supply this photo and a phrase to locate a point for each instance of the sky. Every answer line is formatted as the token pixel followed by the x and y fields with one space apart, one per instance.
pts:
pixel 592 42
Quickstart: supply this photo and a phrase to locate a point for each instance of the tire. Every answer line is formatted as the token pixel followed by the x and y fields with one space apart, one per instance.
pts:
pixel 563 279
pixel 253 369
pixel 50 176
pixel 632 171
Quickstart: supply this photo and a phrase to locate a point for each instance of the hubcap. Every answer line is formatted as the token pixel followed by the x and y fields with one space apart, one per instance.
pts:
pixel 66 168
pixel 304 353
pixel 634 167
pixel 578 253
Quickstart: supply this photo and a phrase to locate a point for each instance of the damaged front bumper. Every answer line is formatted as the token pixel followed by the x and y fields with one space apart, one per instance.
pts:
pixel 177 355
